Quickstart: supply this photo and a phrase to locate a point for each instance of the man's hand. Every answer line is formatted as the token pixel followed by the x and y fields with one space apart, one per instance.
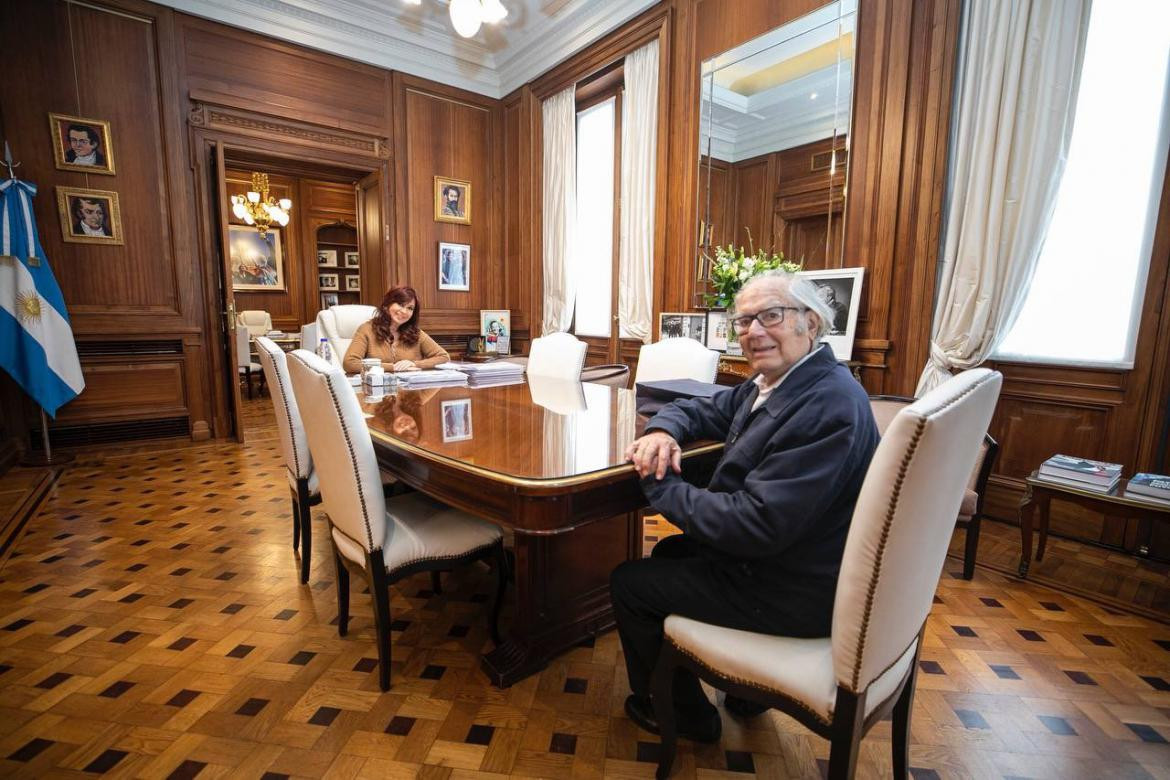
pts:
pixel 405 365
pixel 653 452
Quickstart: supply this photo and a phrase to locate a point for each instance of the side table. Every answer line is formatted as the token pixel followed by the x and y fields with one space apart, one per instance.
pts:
pixel 1039 493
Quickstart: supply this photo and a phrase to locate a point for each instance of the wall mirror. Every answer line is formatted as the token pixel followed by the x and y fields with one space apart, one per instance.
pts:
pixel 774 119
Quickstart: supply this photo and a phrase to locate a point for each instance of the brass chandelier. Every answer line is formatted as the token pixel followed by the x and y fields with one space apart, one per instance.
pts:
pixel 258 208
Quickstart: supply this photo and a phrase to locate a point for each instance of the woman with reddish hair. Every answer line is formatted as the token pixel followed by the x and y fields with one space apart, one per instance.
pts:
pixel 394 337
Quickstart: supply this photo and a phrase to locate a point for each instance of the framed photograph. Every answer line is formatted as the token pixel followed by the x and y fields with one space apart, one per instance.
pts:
pixel 327 282
pixel 89 216
pixel 686 324
pixel 495 322
pixel 328 299
pixel 353 283
pixel 452 200
pixel 840 288
pixel 257 263
pixel 456 419
pixel 454 266
pixel 352 260
pixel 326 258
pixel 81 144
pixel 718 331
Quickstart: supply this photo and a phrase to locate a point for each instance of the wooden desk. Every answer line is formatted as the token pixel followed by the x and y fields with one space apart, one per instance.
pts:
pixel 1039 493
pixel 543 459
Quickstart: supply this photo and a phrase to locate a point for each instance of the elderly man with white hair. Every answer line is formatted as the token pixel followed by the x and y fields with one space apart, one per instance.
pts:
pixel 762 544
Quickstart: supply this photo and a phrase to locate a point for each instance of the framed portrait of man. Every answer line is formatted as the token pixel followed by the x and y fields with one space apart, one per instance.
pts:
pixel 452 200
pixel 257 263
pixel 840 289
pixel 454 266
pixel 81 144
pixel 89 216
pixel 456 419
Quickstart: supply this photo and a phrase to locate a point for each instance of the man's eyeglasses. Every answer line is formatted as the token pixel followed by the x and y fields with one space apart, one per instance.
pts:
pixel 766 317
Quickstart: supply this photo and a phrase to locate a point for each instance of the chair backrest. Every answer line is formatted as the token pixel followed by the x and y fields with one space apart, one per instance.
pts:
pixel 243 347
pixel 557 355
pixel 309 336
pixel 339 323
pixel 293 443
pixel 614 375
pixel 886 407
pixel 902 524
pixel 257 322
pixel 676 358
pixel 343 453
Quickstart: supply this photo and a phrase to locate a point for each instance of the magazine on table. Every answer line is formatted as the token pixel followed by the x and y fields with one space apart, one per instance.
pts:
pixel 1078 483
pixel 1153 485
pixel 1092 471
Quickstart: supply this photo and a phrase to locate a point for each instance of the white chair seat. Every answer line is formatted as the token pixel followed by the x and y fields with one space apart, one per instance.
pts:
pixel 419 528
pixel 251 367
pixel 801 669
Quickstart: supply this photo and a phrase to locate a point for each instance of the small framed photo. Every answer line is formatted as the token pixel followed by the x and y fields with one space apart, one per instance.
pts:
pixel 81 144
pixel 352 260
pixel 89 216
pixel 840 289
pixel 326 258
pixel 452 200
pixel 718 331
pixel 328 299
pixel 456 419
pixel 353 283
pixel 454 266
pixel 686 324
pixel 327 282
pixel 256 260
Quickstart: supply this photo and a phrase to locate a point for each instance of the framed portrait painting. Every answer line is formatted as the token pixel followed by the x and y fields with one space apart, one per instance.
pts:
pixel 456 419
pixel 840 289
pixel 81 144
pixel 454 266
pixel 327 282
pixel 686 324
pixel 452 200
pixel 89 216
pixel 327 258
pixel 257 263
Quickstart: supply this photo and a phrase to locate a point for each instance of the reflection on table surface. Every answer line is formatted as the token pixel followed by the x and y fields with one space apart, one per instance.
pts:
pixel 543 429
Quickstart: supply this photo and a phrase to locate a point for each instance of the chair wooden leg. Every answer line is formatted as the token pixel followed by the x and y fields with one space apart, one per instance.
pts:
pixel 500 564
pixel 248 381
pixel 436 583
pixel 342 580
pixel 900 735
pixel 662 696
pixel 971 548
pixel 305 517
pixel 380 596
pixel 296 520
pixel 848 724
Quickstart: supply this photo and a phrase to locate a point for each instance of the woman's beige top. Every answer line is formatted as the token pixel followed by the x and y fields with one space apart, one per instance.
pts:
pixel 425 353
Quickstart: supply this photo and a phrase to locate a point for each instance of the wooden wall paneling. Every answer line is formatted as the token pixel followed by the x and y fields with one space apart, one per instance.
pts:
pixel 520 216
pixel 158 390
pixel 724 25
pixel 375 217
pixel 755 182
pixel 1154 449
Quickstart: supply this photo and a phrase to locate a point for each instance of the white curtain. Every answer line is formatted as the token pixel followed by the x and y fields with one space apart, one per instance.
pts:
pixel 560 207
pixel 639 165
pixel 1019 73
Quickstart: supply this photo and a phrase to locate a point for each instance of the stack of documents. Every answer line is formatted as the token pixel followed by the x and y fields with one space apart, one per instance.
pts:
pixel 435 378
pixel 493 374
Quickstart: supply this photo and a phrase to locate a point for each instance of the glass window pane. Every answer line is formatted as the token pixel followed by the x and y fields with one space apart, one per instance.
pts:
pixel 1085 298
pixel 594 233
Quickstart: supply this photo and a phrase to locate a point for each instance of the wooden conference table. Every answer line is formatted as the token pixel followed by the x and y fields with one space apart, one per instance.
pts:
pixel 544 459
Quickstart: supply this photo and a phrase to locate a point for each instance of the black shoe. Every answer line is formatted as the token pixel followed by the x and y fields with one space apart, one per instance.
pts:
pixel 704 729
pixel 742 707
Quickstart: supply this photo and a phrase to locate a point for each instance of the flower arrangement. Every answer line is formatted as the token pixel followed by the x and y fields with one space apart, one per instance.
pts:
pixel 733 266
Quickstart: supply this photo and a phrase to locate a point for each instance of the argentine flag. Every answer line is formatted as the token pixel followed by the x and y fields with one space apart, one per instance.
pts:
pixel 36 340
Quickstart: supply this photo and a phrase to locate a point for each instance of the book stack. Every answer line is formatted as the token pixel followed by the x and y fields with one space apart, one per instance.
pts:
pixel 1081 473
pixel 413 380
pixel 493 374
pixel 1154 488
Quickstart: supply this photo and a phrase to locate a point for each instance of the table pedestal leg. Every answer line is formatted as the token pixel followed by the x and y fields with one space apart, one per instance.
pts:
pixel 1045 502
pixel 1027 511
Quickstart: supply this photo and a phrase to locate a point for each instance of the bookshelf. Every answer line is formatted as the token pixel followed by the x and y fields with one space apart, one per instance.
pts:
pixel 338 262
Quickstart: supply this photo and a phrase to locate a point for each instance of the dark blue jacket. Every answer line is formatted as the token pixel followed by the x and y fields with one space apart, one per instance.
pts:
pixel 778 506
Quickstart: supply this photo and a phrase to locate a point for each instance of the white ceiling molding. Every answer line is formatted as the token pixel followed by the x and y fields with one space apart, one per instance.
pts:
pixel 419 40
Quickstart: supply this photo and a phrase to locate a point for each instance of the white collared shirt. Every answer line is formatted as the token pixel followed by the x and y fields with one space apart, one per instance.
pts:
pixel 86 230
pixel 766 389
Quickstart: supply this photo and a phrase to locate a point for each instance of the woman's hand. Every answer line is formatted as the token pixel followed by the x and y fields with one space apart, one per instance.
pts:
pixel 653 452
pixel 405 365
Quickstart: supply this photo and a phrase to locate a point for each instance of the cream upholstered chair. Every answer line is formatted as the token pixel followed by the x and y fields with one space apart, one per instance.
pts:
pixel 841 685
pixel 257 322
pixel 302 477
pixel 676 358
pixel 309 336
pixel 382 540
pixel 614 375
pixel 245 366
pixel 337 324
pixel 559 355
pixel 885 407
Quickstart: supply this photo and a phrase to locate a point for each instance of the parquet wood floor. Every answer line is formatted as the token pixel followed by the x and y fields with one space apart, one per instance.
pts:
pixel 151 625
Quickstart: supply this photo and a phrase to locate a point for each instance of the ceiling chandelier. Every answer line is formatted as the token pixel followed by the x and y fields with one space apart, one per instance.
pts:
pixel 258 208
pixel 468 15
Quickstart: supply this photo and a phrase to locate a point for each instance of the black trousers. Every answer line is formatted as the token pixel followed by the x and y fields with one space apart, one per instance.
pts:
pixel 679 578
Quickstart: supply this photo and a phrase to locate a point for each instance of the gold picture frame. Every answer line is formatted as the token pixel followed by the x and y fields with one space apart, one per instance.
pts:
pixel 86 213
pixel 93 137
pixel 452 209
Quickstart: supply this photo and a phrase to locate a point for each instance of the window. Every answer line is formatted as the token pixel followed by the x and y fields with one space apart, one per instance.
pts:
pixel 1084 304
pixel 595 219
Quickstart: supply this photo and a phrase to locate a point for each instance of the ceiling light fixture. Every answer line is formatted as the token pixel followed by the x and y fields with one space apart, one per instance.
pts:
pixel 258 208
pixel 467 16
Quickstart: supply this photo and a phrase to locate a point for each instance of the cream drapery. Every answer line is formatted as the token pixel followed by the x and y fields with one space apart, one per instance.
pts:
pixel 1020 69
pixel 639 165
pixel 559 114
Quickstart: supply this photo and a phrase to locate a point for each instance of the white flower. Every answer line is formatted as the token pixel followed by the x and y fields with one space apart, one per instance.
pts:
pixel 749 263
